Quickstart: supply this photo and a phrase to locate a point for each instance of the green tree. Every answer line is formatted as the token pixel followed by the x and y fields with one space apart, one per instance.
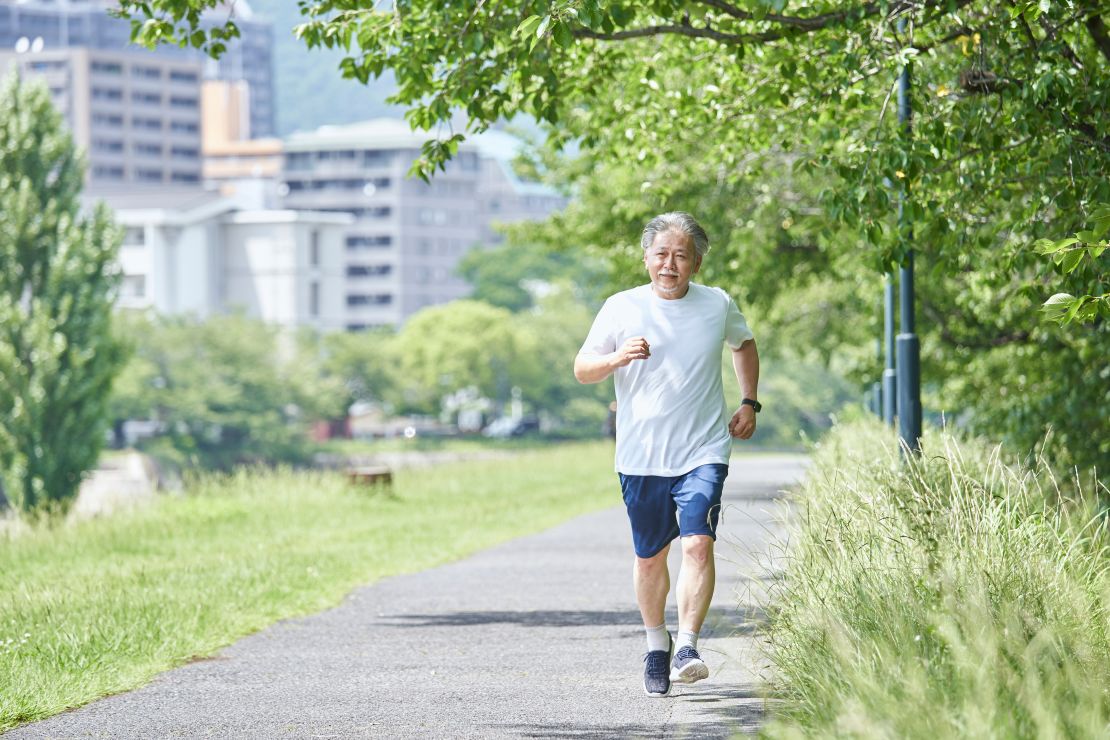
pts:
pixel 673 98
pixel 510 274
pixel 460 345
pixel 57 286
pixel 364 363
pixel 228 390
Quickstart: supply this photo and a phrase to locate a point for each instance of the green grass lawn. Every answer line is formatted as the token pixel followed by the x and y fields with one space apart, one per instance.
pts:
pixel 102 606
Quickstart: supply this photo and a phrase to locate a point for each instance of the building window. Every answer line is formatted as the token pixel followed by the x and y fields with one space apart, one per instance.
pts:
pixel 108 68
pixel 146 98
pixel 369 299
pixel 379 212
pixel 178 75
pixel 107 172
pixel 314 298
pixel 184 152
pixel 146 73
pixel 298 161
pixel 107 93
pixel 146 124
pixel 314 248
pixel 147 148
pixel 181 101
pixel 339 155
pixel 112 146
pixel 185 177
pixel 183 127
pixel 148 174
pixel 368 242
pixel 468 161
pixel 368 270
pixel 134 236
pixel 432 216
pixel 104 119
pixel 47 66
pixel 132 286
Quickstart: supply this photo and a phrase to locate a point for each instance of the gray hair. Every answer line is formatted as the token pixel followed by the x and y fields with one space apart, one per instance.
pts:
pixel 679 221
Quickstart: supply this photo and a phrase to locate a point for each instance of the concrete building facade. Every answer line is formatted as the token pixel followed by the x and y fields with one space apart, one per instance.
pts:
pixel 73 24
pixel 408 236
pixel 204 255
pixel 135 114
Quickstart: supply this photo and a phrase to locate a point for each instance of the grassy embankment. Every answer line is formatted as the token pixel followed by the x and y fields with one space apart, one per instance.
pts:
pixel 961 598
pixel 102 606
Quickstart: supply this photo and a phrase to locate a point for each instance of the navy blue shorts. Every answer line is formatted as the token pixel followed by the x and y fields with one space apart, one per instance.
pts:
pixel 661 508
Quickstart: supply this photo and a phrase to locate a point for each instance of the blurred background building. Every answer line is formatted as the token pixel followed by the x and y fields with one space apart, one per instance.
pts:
pixel 322 228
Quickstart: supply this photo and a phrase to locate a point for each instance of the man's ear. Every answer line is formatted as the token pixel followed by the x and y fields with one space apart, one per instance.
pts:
pixel 697 264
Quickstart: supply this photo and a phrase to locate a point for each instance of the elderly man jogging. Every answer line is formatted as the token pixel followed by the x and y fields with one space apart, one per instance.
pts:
pixel 662 343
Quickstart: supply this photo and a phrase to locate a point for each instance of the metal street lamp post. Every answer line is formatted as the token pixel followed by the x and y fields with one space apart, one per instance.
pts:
pixel 908 347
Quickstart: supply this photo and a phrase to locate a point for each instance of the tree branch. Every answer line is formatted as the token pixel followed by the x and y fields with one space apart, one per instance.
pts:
pixel 812 23
pixel 950 36
pixel 1097 29
pixel 681 30
pixel 993 339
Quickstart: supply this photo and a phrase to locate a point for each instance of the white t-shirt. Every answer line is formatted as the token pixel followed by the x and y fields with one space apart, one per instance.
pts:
pixel 671 414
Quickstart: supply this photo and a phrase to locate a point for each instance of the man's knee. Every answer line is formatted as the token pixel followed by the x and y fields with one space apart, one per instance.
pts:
pixel 697 549
pixel 654 564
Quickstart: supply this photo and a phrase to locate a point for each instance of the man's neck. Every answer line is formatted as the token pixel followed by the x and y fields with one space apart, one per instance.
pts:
pixel 670 296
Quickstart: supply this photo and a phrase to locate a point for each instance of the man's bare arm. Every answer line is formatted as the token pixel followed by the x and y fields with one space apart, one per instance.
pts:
pixel 591 368
pixel 745 363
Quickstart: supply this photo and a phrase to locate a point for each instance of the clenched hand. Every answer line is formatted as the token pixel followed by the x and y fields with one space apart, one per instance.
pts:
pixel 634 348
pixel 743 423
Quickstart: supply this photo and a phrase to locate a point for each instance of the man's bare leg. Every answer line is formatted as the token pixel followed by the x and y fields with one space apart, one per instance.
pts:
pixel 652 582
pixel 695 592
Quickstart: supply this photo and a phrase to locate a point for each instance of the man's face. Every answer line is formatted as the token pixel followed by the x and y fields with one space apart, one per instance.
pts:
pixel 671 261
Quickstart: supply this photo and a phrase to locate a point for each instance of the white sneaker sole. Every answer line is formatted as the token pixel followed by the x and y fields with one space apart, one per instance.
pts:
pixel 658 696
pixel 693 671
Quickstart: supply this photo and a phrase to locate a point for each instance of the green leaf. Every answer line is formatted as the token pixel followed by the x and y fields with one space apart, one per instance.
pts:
pixel 528 25
pixel 1057 305
pixel 563 36
pixel 1076 304
pixel 1071 260
pixel 1044 246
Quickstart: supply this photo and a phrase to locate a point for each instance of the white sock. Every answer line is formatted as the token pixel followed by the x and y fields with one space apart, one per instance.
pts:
pixel 687 638
pixel 658 638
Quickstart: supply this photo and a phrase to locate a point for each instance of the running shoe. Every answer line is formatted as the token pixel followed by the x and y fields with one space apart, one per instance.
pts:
pixel 657 678
pixel 688 666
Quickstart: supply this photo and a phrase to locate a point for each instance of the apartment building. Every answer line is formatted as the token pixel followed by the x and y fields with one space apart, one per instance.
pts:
pixel 402 249
pixel 135 114
pixel 53 25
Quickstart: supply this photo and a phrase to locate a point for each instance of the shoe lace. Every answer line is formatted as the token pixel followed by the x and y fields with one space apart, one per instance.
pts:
pixel 656 661
pixel 687 651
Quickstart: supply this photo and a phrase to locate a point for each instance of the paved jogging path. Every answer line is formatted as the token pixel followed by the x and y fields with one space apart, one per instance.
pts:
pixel 538 638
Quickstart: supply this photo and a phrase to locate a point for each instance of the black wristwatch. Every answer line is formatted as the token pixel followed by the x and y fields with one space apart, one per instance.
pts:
pixel 753 403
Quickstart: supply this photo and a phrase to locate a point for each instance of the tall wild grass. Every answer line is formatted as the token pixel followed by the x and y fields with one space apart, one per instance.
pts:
pixel 953 596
